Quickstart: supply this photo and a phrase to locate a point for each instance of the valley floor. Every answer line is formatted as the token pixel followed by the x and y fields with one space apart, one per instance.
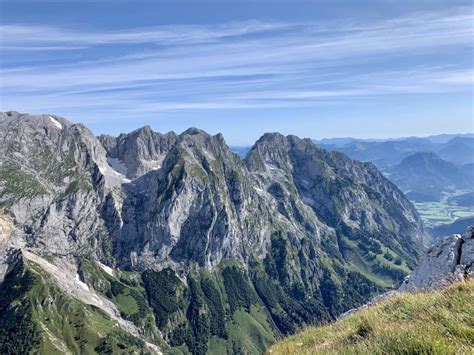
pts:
pixel 443 212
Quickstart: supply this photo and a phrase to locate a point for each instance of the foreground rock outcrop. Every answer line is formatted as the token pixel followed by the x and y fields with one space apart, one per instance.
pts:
pixel 448 261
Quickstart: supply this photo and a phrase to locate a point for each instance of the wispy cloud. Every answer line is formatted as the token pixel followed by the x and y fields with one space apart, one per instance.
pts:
pixel 231 66
pixel 24 35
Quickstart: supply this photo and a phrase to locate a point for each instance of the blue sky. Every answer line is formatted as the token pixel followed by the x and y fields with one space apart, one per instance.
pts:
pixel 312 68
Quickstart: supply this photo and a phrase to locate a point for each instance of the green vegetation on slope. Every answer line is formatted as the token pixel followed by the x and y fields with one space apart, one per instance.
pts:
pixel 37 317
pixel 16 184
pixel 230 310
pixel 422 323
pixel 233 310
pixel 126 291
pixel 226 311
pixel 213 313
pixel 16 313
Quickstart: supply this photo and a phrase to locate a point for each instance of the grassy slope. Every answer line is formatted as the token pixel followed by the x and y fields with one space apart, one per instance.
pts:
pixel 47 321
pixel 247 328
pixel 67 324
pixel 124 289
pixel 432 322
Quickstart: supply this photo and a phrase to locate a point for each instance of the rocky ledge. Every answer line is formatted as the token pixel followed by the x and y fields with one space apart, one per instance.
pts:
pixel 448 261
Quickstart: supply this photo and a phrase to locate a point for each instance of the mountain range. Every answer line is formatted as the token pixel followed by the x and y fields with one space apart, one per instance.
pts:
pixel 423 168
pixel 435 169
pixel 156 242
pixel 458 149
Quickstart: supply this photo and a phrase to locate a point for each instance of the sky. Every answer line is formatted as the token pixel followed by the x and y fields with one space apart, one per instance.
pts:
pixel 318 69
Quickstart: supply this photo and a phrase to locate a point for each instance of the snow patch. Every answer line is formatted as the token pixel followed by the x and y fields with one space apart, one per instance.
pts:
pixel 55 122
pixel 113 174
pixel 152 164
pixel 82 284
pixel 117 165
pixel 107 269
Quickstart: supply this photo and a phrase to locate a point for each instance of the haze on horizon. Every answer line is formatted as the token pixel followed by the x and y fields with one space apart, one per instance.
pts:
pixel 319 69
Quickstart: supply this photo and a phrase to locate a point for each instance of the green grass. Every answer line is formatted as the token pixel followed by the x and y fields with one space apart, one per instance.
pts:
pixel 250 333
pixel 436 213
pixel 61 324
pixel 126 303
pixel 124 289
pixel 216 346
pixel 359 264
pixel 422 323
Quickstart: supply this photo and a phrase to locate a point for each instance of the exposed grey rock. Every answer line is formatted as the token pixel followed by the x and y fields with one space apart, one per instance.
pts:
pixel 148 201
pixel 450 260
pixel 466 261
pixel 8 256
pixel 201 206
pixel 188 201
pixel 54 181
pixel 349 196
pixel 140 151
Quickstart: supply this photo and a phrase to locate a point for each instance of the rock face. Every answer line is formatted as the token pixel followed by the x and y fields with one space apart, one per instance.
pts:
pixel 201 206
pixel 55 184
pixel 191 200
pixel 322 181
pixel 139 151
pixel 448 261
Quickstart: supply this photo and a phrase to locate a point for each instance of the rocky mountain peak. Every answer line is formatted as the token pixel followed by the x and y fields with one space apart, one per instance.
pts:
pixel 193 131
pixel 138 152
pixel 204 144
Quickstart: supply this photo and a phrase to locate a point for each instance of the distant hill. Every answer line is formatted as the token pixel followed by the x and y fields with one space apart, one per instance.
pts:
pixel 427 172
pixel 443 138
pixel 469 168
pixel 466 200
pixel 424 194
pixel 457 149
pixel 340 142
pixel 457 227
pixel 384 154
pixel 439 138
